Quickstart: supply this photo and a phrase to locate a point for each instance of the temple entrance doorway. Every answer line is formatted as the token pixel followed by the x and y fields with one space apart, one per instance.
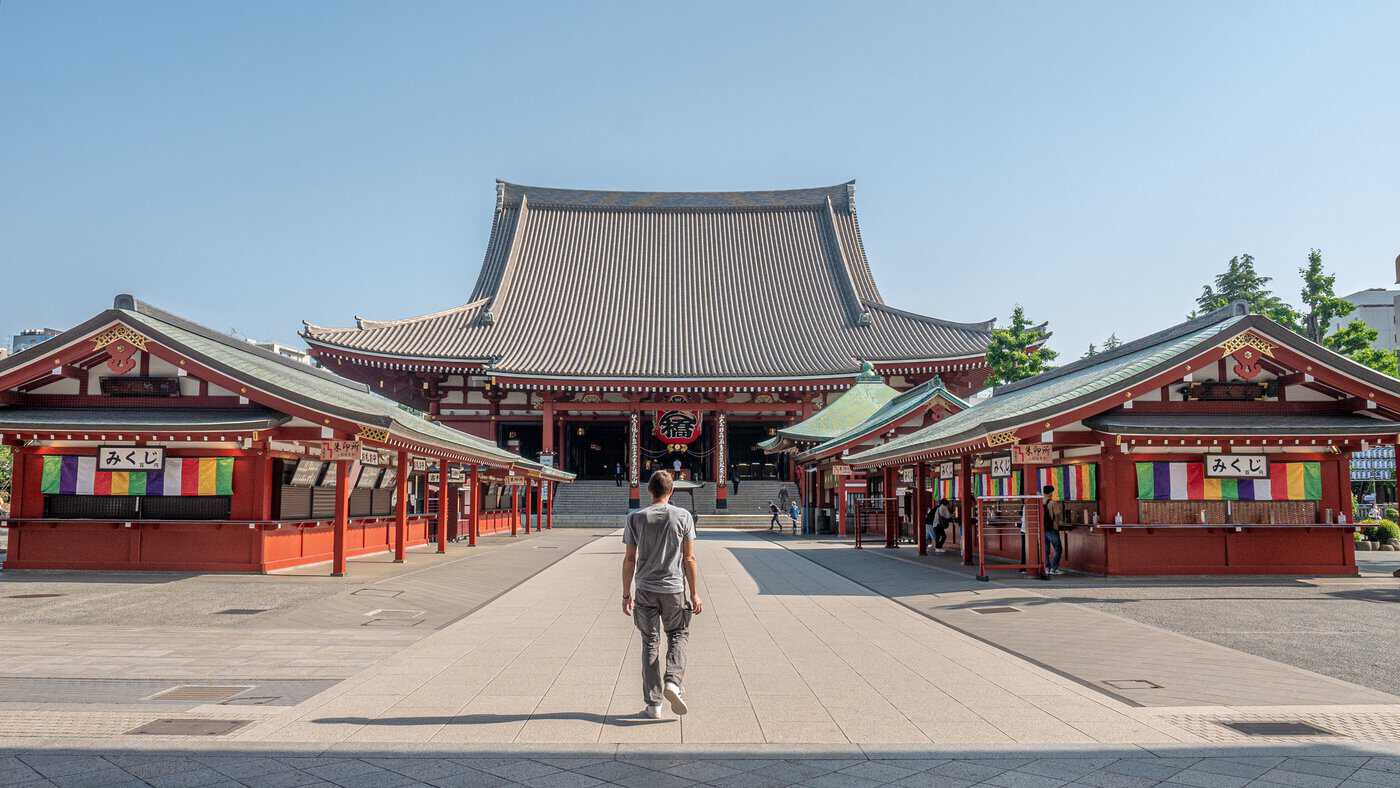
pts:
pixel 595 448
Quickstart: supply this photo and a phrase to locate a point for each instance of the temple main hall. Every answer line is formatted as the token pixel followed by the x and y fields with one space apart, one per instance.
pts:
pixel 613 332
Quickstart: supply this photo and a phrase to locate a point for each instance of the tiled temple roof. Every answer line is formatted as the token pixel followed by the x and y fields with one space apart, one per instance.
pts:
pixel 670 285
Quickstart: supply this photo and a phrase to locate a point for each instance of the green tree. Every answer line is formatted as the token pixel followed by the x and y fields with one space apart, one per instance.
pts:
pixel 1354 341
pixel 1092 351
pixel 1320 298
pixel 1241 282
pixel 1018 351
pixel 1112 343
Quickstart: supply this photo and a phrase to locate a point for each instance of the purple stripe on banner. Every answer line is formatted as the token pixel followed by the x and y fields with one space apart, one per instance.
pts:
pixel 155 482
pixel 1245 489
pixel 1162 481
pixel 68 476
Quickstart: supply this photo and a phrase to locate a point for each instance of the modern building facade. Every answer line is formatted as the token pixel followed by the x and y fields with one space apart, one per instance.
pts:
pixel 636 329
pixel 1376 306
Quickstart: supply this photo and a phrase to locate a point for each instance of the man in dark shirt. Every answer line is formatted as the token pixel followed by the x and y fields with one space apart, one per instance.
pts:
pixel 1054 545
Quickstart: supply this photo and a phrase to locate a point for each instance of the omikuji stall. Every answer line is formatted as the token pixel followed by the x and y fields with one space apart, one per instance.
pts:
pixel 144 441
pixel 1220 445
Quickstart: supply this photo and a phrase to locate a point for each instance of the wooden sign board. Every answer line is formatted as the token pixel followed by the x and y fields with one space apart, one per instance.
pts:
pixel 420 464
pixel 456 475
pixel 434 477
pixel 841 470
pixel 515 481
pixel 946 470
pixel 130 458
pixel 370 457
pixel 1032 454
pixel 140 387
pixel 1237 466
pixel 340 450
pixel 1001 466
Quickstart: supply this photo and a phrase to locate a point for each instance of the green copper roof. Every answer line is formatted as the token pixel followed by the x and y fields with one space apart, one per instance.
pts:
pixel 854 406
pixel 888 415
pixel 1058 389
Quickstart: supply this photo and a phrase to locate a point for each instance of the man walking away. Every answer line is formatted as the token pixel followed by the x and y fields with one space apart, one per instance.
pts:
pixel 1054 545
pixel 773 517
pixel 660 556
pixel 617 474
pixel 734 478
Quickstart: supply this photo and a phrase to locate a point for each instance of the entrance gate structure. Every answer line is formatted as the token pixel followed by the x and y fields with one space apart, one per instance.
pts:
pixel 1004 520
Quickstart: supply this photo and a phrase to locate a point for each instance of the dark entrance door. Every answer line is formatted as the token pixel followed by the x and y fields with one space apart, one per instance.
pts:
pixel 595 448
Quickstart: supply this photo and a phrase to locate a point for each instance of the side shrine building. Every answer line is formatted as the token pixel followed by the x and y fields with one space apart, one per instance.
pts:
pixel 1217 446
pixel 142 440
pixel 625 330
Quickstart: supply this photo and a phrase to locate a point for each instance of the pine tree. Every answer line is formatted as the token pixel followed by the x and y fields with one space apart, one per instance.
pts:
pixel 1092 351
pixel 1320 298
pixel 1112 343
pixel 1240 282
pixel 1018 351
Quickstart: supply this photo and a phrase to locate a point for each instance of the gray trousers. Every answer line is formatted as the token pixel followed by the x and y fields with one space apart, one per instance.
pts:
pixel 652 613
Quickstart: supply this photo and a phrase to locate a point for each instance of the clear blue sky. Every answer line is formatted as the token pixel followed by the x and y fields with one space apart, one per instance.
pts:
pixel 252 164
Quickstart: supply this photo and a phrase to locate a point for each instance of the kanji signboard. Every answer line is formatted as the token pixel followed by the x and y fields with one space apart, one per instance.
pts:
pixel 130 458
pixel 1237 466
pixel 340 450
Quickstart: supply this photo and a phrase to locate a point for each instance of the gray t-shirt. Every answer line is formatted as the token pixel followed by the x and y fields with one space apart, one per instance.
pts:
pixel 659 531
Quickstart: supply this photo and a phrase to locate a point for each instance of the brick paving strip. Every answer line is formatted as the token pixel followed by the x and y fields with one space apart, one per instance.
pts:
pixel 222 765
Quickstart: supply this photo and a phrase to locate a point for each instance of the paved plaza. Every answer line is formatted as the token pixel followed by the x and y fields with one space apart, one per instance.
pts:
pixel 813 664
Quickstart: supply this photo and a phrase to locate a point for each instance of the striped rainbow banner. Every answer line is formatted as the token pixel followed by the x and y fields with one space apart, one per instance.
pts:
pixel 1187 481
pixel 180 476
pixel 984 485
pixel 1078 482
pixel 945 488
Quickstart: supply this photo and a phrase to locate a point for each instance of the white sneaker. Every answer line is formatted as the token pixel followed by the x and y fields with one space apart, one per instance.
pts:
pixel 673 694
pixel 652 712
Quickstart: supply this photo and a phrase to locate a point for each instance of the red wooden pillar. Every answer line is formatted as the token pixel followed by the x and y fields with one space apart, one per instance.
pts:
pixel 539 504
pixel 921 505
pixel 968 506
pixel 514 508
pixel 17 494
pixel 528 505
pixel 341 528
pixel 549 518
pixel 446 506
pixel 841 505
pixel 401 509
pixel 891 500
pixel 547 425
pixel 474 523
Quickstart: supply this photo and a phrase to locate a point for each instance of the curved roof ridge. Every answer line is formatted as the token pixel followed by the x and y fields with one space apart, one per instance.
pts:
pixel 510 195
pixel 981 325
pixel 365 324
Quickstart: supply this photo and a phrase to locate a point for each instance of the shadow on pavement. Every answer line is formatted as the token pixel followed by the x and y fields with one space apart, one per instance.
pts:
pixel 488 719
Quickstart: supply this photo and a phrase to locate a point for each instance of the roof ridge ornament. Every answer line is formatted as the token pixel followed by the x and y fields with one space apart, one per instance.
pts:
pixel 868 374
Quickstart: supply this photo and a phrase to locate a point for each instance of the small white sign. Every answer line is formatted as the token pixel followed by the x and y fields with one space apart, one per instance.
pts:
pixel 1237 466
pixel 946 470
pixel 420 464
pixel 1001 466
pixel 841 470
pixel 130 458
pixel 369 457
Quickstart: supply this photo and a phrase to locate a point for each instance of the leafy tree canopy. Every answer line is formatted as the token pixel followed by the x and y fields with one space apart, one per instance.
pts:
pixel 1354 340
pixel 1018 351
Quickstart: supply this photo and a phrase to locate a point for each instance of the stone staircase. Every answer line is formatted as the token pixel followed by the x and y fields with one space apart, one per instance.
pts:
pixel 602 498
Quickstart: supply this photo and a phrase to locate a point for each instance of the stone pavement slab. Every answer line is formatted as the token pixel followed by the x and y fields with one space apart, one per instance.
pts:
pixel 785 652
pixel 1128 660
